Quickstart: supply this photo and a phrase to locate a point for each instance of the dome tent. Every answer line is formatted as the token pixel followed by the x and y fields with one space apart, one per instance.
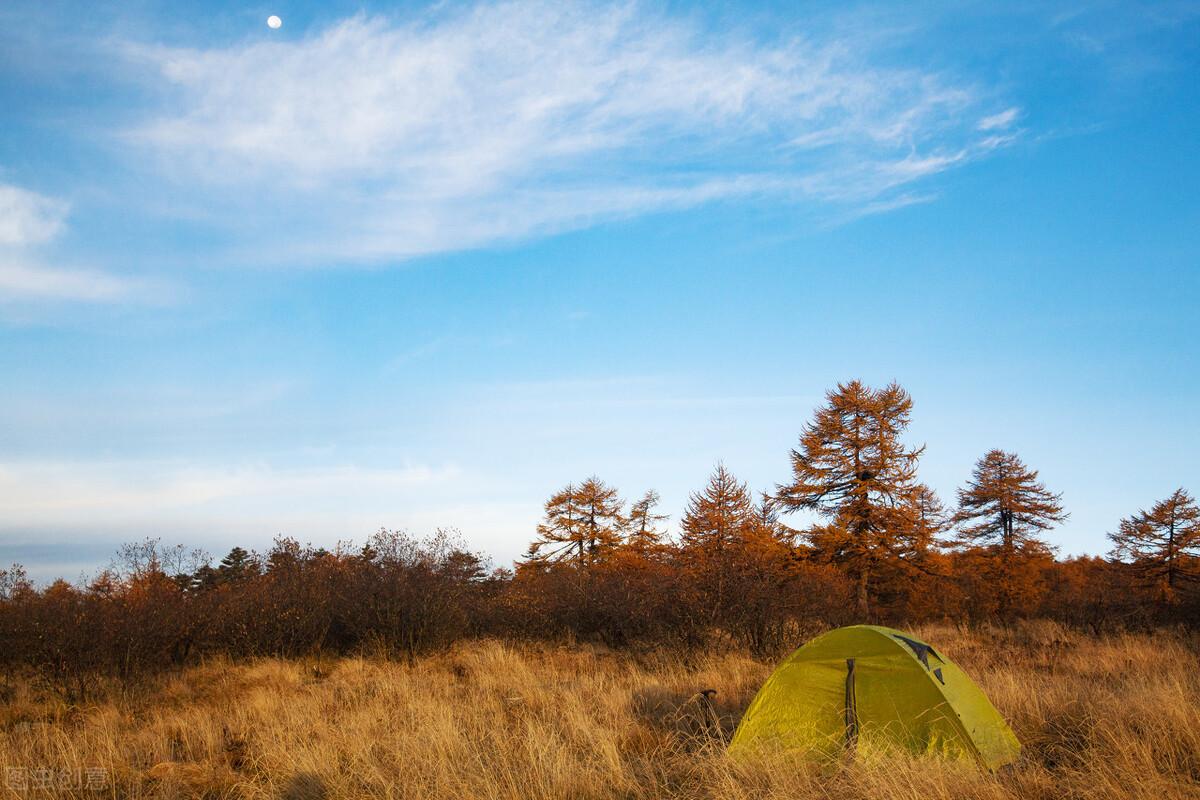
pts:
pixel 868 688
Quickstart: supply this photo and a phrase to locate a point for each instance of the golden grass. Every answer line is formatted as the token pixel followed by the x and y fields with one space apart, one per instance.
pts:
pixel 1117 717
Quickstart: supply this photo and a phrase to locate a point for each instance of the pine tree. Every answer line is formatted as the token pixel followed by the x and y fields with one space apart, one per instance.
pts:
pixel 852 469
pixel 1163 543
pixel 205 577
pixel 1003 510
pixel 237 565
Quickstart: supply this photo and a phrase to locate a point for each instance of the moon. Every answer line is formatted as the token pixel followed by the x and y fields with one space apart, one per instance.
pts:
pixel 274 21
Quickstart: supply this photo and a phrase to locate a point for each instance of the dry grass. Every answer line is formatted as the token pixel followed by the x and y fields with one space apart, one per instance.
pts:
pixel 1111 718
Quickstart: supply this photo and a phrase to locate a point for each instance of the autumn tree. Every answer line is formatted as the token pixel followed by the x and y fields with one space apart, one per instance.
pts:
pixel 852 469
pixel 911 580
pixel 559 538
pixel 641 526
pixel 1162 544
pixel 717 516
pixel 601 518
pixel 14 582
pixel 1002 511
pixel 742 572
pixel 766 520
pixel 713 524
pixel 1088 591
pixel 929 520
pixel 582 523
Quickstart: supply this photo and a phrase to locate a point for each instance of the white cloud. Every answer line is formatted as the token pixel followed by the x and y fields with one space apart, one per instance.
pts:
pixel 31 281
pixel 1000 121
pixel 884 206
pixel 28 219
pixel 380 138
pixel 40 493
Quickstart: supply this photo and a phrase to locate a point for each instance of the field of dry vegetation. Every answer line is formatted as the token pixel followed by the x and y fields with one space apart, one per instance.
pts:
pixel 1113 717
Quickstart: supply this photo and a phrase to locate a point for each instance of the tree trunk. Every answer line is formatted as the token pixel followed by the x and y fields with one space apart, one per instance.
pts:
pixel 864 605
pixel 1171 554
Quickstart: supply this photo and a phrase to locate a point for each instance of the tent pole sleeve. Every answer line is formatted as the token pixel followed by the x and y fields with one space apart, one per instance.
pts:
pixel 851 707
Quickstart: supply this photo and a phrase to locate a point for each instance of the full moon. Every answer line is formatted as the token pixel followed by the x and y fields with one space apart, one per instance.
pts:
pixel 274 21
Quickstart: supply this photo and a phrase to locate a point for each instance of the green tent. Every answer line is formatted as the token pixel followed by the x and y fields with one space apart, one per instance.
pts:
pixel 868 689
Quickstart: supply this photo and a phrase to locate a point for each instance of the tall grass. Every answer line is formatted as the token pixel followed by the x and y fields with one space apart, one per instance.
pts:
pixel 1115 717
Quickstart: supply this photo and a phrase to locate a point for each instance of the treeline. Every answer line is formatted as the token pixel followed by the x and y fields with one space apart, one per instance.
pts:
pixel 851 535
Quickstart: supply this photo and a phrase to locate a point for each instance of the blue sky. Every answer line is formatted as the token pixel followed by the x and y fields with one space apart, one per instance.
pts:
pixel 417 266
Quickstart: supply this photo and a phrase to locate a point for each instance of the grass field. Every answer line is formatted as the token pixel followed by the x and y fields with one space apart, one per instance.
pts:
pixel 1114 717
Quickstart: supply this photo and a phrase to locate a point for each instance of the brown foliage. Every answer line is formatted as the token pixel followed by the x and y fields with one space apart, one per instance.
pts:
pixel 1162 545
pixel 582 524
pixel 853 470
pixel 1002 511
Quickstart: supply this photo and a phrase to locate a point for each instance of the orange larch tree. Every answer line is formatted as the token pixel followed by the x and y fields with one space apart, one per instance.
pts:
pixel 582 524
pixel 914 571
pixel 1162 544
pixel 1002 511
pixel 853 469
pixel 559 538
pixel 716 517
pixel 712 529
pixel 641 526
pixel 602 518
pixel 928 520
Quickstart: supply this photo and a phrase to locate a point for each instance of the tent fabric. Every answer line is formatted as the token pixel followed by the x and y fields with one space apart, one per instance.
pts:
pixel 868 688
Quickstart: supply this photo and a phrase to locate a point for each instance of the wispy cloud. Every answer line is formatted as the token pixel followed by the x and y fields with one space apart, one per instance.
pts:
pixel 67 492
pixel 1000 121
pixel 884 206
pixel 28 280
pixel 28 220
pixel 380 138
